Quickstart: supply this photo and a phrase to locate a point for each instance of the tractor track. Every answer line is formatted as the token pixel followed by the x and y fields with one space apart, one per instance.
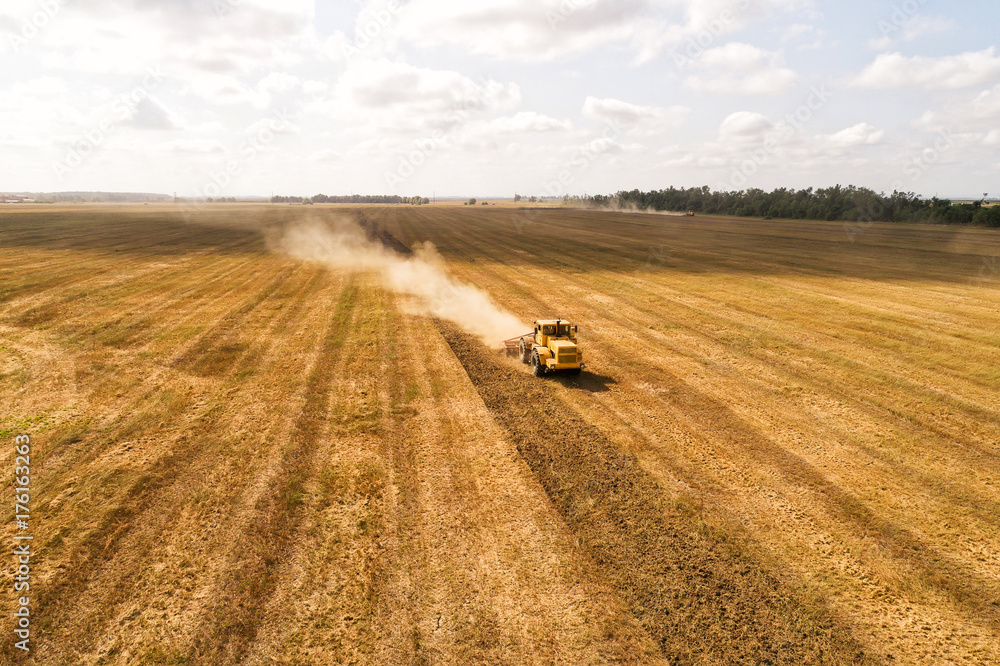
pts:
pixel 375 232
pixel 700 596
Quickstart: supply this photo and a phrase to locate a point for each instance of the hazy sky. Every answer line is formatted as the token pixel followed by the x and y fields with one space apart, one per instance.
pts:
pixel 493 97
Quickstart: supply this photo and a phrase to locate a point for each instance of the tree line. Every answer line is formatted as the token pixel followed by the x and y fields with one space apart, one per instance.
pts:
pixel 354 199
pixel 832 203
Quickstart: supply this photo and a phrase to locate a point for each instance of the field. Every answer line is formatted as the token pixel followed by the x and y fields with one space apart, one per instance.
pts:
pixel 785 449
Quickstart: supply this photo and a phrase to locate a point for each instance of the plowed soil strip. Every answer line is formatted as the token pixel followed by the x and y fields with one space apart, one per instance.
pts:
pixel 695 590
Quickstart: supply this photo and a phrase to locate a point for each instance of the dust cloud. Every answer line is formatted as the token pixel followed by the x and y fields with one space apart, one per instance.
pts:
pixel 616 206
pixel 342 244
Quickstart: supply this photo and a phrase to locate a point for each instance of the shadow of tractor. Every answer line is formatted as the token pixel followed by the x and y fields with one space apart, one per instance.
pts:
pixel 591 382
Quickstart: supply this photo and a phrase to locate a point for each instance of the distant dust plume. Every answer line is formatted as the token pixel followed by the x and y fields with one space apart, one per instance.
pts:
pixel 342 244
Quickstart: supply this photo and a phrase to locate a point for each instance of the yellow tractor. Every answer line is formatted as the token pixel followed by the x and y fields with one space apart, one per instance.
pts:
pixel 550 347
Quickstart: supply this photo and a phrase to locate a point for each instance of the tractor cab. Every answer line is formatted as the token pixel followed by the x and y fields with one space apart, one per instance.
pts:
pixel 553 329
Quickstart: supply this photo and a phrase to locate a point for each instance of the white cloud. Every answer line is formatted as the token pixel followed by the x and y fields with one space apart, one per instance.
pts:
pixel 326 155
pixel 50 86
pixel 222 89
pixel 799 31
pixel 188 146
pixel 150 113
pixel 745 125
pixel 44 107
pixel 14 140
pixel 126 36
pixel 744 69
pixel 737 55
pixel 265 126
pixel 279 82
pixel 980 112
pixel 752 150
pixel 527 30
pixel 971 121
pixel 527 121
pixel 740 12
pixel 706 23
pixel 986 105
pixel 390 98
pixel 913 29
pixel 623 113
pixel 500 134
pixel 808 36
pixel 313 87
pixel 861 134
pixel 893 70
pixel 545 30
pixel 384 84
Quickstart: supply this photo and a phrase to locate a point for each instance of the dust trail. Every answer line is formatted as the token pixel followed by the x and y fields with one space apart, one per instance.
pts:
pixel 342 244
pixel 616 206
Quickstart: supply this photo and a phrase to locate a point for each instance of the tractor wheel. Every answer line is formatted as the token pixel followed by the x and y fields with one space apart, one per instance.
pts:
pixel 536 366
pixel 525 354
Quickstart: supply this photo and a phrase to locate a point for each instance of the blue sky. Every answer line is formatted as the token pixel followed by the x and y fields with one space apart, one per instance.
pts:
pixel 234 97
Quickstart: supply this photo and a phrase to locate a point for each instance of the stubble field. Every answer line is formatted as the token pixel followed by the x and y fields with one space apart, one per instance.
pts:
pixel 784 448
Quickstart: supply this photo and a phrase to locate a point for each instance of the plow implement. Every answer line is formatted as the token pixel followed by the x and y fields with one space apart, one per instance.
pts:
pixel 512 346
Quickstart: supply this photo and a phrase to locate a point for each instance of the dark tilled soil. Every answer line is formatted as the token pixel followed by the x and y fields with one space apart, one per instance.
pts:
pixel 696 590
pixel 375 232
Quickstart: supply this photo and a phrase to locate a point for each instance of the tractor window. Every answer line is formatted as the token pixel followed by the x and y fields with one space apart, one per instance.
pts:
pixel 563 329
pixel 548 330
